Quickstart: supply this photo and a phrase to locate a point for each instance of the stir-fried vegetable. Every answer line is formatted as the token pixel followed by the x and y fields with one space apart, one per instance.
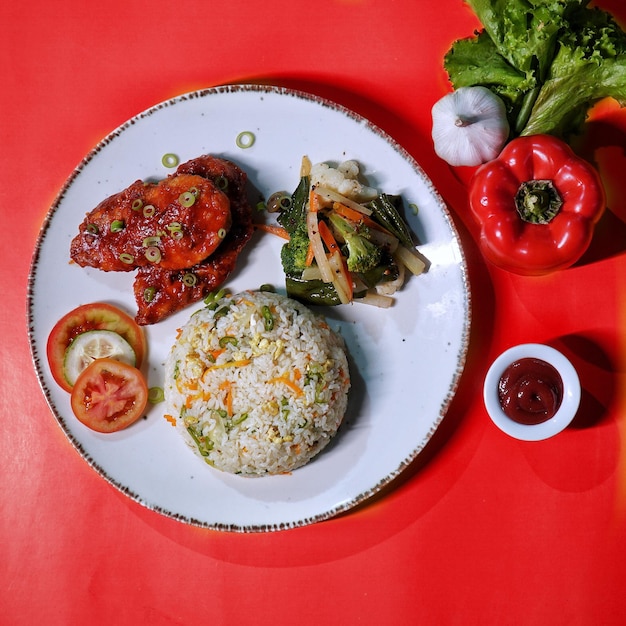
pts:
pixel 363 253
pixel 343 248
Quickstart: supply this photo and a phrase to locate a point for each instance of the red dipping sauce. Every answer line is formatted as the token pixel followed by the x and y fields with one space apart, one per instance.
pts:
pixel 530 391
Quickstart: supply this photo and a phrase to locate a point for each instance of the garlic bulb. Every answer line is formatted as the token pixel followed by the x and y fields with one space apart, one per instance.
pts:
pixel 470 126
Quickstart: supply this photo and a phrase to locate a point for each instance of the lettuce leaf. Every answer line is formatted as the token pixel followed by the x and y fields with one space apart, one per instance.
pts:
pixel 549 60
pixel 525 31
pixel 476 61
pixel 590 65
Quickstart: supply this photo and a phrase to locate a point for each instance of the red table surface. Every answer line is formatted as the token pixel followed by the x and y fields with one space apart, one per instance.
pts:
pixel 481 529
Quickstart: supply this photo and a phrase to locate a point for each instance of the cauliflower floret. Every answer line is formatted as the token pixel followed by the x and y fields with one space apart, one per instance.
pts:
pixel 343 179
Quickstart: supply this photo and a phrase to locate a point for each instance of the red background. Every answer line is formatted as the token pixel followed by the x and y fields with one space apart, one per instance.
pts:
pixel 481 529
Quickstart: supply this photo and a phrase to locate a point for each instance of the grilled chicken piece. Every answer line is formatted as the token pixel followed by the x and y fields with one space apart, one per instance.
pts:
pixel 160 292
pixel 173 224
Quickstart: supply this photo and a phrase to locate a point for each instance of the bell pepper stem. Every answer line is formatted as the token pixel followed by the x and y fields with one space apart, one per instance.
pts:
pixel 538 201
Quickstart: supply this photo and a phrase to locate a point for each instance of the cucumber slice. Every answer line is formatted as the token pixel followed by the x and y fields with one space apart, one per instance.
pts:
pixel 92 345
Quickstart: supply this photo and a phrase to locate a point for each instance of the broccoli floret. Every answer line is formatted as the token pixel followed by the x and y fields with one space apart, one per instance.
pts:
pixel 363 255
pixel 293 253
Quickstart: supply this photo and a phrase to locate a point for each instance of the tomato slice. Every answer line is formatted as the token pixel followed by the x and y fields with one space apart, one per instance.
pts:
pixel 109 395
pixel 96 316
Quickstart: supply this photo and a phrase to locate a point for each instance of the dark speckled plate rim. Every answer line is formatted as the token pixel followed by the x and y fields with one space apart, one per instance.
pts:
pixel 461 356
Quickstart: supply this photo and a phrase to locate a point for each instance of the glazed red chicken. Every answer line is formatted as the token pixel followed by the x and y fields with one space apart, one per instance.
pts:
pixel 159 292
pixel 182 235
pixel 174 224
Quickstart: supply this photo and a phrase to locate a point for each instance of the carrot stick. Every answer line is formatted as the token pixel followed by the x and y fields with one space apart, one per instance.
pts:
pixel 327 237
pixel 359 218
pixel 347 212
pixel 315 202
pixel 274 230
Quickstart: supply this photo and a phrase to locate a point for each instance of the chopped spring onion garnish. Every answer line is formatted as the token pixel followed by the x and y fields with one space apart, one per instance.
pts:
pixel 214 296
pixel 153 254
pixel 267 287
pixel 268 318
pixel 156 395
pixel 221 233
pixel 285 202
pixel 151 241
pixel 149 293
pixel 117 226
pixel 137 204
pixel 187 199
pixel 227 339
pixel 190 279
pixel 127 258
pixel 175 229
pixel 222 183
pixel 92 229
pixel 149 210
pixel 238 420
pixel 205 445
pixel 221 312
pixel 279 201
pixel 414 208
pixel 169 160
pixel 245 139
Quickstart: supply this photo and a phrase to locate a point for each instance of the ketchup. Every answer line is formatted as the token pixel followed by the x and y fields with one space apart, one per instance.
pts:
pixel 530 391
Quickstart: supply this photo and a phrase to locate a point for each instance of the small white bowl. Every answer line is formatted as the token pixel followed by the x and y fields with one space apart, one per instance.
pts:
pixel 571 392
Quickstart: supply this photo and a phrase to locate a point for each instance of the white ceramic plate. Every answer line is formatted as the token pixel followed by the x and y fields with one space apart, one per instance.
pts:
pixel 406 360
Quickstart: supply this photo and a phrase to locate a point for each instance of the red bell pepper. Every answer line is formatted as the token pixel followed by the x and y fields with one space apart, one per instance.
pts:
pixel 537 204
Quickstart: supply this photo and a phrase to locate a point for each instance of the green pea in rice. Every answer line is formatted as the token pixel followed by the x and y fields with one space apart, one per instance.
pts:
pixel 257 383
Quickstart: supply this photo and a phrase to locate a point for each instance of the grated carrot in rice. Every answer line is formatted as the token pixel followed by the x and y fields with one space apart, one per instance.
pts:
pixel 288 383
pixel 227 386
pixel 190 399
